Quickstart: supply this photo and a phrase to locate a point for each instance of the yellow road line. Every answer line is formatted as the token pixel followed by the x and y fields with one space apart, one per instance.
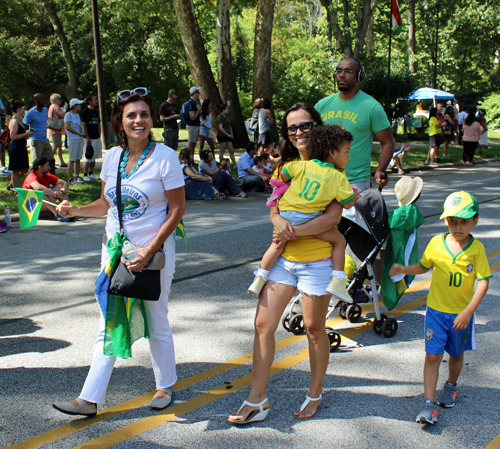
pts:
pixel 495 444
pixel 80 424
pixel 178 410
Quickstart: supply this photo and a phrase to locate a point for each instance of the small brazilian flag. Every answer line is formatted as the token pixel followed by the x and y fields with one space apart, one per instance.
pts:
pixel 30 203
pixel 181 232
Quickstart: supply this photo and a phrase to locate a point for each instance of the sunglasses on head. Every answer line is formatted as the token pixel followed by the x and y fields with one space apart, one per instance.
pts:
pixel 304 127
pixel 124 94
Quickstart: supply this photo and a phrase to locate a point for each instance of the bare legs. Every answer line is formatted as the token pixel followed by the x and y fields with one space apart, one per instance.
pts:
pixel 16 175
pixel 58 150
pixel 74 166
pixel 229 146
pixel 431 372
pixel 210 141
pixel 272 303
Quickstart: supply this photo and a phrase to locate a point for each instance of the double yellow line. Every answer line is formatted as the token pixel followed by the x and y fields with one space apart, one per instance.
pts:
pixel 208 397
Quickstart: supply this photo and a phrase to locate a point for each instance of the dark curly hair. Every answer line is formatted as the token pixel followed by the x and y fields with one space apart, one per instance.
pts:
pixel 324 139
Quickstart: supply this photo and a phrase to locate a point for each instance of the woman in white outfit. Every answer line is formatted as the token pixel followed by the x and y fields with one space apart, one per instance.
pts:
pixel 150 188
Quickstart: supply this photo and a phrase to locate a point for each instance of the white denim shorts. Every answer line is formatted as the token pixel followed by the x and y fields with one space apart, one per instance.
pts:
pixel 311 278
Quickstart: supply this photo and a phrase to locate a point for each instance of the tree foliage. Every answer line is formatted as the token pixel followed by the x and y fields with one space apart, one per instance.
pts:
pixel 142 47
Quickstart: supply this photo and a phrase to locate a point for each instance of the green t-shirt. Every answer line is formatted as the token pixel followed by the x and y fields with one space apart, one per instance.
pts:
pixel 362 116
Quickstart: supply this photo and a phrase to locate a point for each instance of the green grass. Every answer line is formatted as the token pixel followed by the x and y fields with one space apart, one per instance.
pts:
pixel 89 191
pixel 78 194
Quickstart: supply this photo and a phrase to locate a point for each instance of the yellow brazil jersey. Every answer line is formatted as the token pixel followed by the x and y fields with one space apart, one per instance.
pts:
pixel 314 186
pixel 453 276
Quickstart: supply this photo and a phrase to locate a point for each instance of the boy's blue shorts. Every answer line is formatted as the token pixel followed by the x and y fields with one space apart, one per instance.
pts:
pixel 440 335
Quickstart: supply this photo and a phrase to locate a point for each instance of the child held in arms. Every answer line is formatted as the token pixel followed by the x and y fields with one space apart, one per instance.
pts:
pixel 313 185
pixel 457 259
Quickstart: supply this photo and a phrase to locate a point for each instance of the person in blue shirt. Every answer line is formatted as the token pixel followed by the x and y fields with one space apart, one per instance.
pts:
pixel 36 118
pixel 250 180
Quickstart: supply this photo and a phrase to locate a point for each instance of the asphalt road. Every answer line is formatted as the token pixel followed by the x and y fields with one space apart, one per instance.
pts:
pixel 372 391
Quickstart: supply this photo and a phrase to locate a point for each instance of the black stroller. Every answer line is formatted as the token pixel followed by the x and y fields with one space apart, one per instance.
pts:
pixel 366 230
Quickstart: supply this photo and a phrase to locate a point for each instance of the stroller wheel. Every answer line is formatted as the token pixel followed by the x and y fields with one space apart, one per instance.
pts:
pixel 297 324
pixel 377 324
pixel 390 327
pixel 353 313
pixel 342 311
pixel 334 338
pixel 285 321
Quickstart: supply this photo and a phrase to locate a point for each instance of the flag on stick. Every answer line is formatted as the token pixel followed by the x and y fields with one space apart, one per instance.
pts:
pixel 30 203
pixel 181 232
pixel 397 23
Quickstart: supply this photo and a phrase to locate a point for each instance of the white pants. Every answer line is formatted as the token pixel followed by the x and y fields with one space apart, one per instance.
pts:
pixel 161 343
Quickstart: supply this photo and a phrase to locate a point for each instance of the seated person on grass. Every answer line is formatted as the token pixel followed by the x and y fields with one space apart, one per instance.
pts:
pixel 53 188
pixel 314 185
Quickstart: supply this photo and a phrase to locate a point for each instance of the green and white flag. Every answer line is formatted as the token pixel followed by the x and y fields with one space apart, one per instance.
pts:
pixel 401 248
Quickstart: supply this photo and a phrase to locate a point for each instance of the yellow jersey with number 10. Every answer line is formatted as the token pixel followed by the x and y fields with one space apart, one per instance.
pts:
pixel 453 276
pixel 314 186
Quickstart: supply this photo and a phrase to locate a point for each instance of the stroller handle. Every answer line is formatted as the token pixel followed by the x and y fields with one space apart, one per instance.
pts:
pixel 382 176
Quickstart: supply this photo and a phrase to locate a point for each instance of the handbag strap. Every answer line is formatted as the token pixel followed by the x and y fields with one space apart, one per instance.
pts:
pixel 119 193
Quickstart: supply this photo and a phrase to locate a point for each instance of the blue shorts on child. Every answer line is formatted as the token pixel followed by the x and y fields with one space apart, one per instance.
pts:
pixel 297 218
pixel 440 335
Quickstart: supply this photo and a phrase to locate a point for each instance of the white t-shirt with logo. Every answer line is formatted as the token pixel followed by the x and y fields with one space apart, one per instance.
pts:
pixel 143 194
pixel 75 124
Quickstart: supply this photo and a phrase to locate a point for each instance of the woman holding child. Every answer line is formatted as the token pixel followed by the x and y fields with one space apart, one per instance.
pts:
pixel 304 264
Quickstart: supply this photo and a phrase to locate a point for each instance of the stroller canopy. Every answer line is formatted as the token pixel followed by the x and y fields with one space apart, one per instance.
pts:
pixel 365 225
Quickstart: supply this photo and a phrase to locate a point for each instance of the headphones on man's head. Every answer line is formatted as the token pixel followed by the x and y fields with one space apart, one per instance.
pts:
pixel 361 71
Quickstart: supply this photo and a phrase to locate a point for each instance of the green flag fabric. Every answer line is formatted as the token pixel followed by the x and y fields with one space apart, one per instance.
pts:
pixel 125 318
pixel 181 232
pixel 401 248
pixel 30 203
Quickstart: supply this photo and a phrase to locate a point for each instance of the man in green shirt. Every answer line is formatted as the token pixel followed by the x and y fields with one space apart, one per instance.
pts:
pixel 363 116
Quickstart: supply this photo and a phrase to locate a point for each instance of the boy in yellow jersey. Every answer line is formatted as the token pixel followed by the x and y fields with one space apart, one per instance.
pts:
pixel 314 185
pixel 458 260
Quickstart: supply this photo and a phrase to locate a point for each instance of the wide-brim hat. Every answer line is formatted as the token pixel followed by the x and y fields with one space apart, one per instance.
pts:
pixel 407 189
pixel 460 204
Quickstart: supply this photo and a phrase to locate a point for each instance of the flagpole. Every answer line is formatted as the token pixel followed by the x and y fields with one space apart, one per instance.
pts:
pixel 388 93
pixel 48 202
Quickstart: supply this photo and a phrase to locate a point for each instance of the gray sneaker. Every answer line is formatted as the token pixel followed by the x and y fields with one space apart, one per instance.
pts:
pixel 449 395
pixel 428 415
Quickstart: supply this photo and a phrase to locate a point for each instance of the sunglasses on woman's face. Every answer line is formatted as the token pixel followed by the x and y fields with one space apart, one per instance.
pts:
pixel 124 94
pixel 305 127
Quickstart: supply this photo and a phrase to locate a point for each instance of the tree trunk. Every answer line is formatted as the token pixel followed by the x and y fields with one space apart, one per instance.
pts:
pixel 365 16
pixel 69 90
pixel 344 39
pixel 262 87
pixel 370 43
pixel 195 51
pixel 411 36
pixel 225 70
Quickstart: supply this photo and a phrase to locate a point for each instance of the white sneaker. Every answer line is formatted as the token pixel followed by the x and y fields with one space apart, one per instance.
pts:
pixel 93 177
pixel 256 287
pixel 87 178
pixel 78 180
pixel 338 288
pixel 242 194
pixel 5 171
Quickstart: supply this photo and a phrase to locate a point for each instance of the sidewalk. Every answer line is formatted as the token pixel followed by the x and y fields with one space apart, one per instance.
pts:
pixel 416 168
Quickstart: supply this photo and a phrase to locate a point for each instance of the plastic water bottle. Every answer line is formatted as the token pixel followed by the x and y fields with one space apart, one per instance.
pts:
pixel 7 216
pixel 129 250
